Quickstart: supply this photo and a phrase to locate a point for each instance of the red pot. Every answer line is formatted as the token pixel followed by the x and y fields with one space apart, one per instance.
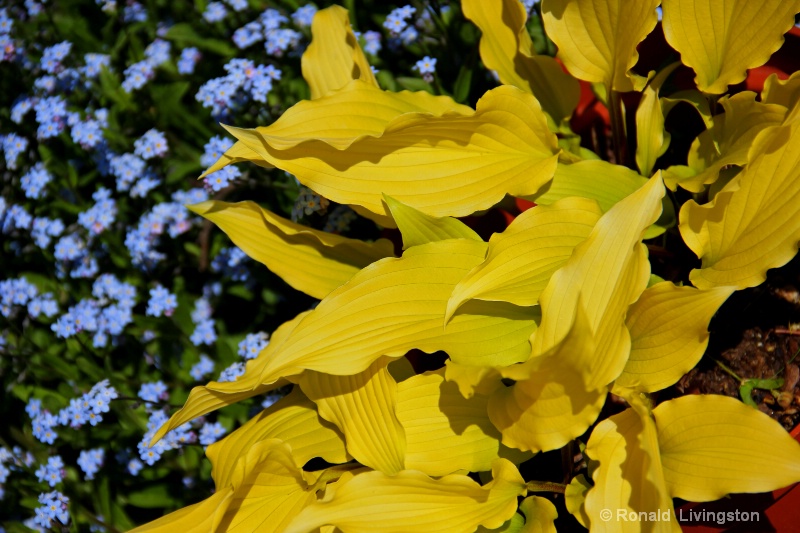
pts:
pixel 778 511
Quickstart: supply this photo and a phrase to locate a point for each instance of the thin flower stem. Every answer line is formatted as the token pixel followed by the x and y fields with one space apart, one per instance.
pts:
pixel 545 486
pixel 617 126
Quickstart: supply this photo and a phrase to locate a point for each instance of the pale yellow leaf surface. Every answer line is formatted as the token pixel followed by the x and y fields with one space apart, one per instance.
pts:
pixel 753 223
pixel 269 490
pixel 506 47
pixel 450 165
pixel 373 502
pixel 472 379
pixel 540 515
pixel 395 305
pixel 713 445
pixel 782 92
pixel 549 403
pixel 446 433
pixel 607 272
pixel 521 259
pixel 312 261
pixel 722 39
pixel 363 407
pixel 333 58
pixel 292 419
pixel 652 140
pixel 418 228
pixel 202 517
pixel 575 499
pixel 729 139
pixel 597 40
pixel 669 333
pixel 216 394
pixel 629 478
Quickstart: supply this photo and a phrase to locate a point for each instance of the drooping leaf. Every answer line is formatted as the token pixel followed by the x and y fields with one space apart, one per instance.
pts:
pixel 363 407
pixel 373 502
pixel 418 228
pixel 597 40
pixel 333 58
pixel 652 140
pixel 782 92
pixel 293 420
pixel 669 334
pixel 713 445
pixel 395 305
pixel 694 98
pixel 201 517
pixel 729 139
pixel 575 499
pixel 521 260
pixel 313 261
pixel 721 40
pixel 607 272
pixel 449 165
pixel 540 515
pixel 629 478
pixel 506 47
pixel 753 223
pixel 446 433
pixel 216 394
pixel 549 403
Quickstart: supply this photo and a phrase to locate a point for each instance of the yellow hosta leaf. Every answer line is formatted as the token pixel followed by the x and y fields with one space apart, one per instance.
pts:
pixel 652 140
pixel 418 228
pixel 540 515
pixel 712 445
pixel 203 517
pixel 669 334
pixel 373 502
pixel 395 305
pixel 521 260
pixel 694 98
pixel 607 272
pixel 753 223
pixel 575 499
pixel 549 404
pixel 471 379
pixel 216 394
pixel 269 490
pixel 597 40
pixel 629 478
pixel 722 39
pixel 312 261
pixel 445 432
pixel 333 58
pixel 449 165
pixel 237 153
pixel 363 407
pixel 292 419
pixel 506 47
pixel 729 140
pixel 782 92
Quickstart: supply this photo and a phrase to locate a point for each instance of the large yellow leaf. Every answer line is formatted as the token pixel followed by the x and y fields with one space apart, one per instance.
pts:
pixel 652 140
pixel 309 260
pixel 597 40
pixel 728 141
pixel 753 223
pixel 292 419
pixel 418 228
pixel 203 517
pixel 442 165
pixel 333 58
pixel 395 305
pixel 629 479
pixel 712 445
pixel 269 489
pixel 540 515
pixel 445 432
pixel 373 502
pixel 363 407
pixel 782 92
pixel 549 403
pixel 216 394
pixel 669 334
pixel 721 39
pixel 521 260
pixel 607 272
pixel 507 48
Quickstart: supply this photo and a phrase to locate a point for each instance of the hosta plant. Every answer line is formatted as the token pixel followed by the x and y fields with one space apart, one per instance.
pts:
pixel 542 323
